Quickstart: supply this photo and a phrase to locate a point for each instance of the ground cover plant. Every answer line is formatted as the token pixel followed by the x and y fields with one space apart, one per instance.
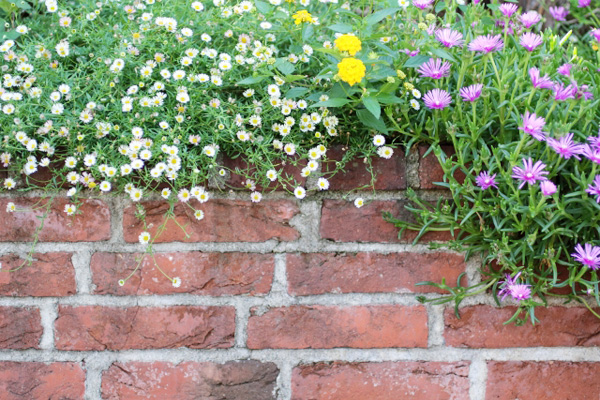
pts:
pixel 145 97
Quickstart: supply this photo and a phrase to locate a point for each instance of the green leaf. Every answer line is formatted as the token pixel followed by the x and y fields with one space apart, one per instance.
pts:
pixel 295 92
pixel 336 102
pixel 22 4
pixel 294 78
pixel 308 32
pixel 252 80
pixel 379 15
pixel 284 66
pixel 388 99
pixel 443 54
pixel 263 7
pixel 369 120
pixel 416 61
pixel 487 21
pixel 372 105
pixel 440 6
pixel 8 6
pixel 341 28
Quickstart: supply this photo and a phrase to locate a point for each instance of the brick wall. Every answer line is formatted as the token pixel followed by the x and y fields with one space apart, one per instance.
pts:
pixel 279 300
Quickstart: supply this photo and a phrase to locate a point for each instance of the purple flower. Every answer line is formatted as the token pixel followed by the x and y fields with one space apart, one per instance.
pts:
pixel 591 153
pixel 530 173
pixel 509 26
pixel 565 146
pixel 596 34
pixel 565 69
pixel 563 93
pixel 531 41
pixel 520 291
pixel 486 44
pixel 583 3
pixel 539 83
pixel 595 140
pixel 559 13
pixel 486 181
pixel 588 256
pixel 548 188
pixel 434 68
pixel 422 4
pixel 437 98
pixel 411 53
pixel 471 93
pixel 530 18
pixel 508 9
pixel 505 286
pixel 449 38
pixel 533 125
pixel 582 91
pixel 594 188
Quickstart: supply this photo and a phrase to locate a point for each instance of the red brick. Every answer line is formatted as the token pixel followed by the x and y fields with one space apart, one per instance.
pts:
pixel 36 380
pixel 213 274
pixel 390 174
pixel 224 221
pixel 528 380
pixel 326 327
pixel 482 327
pixel 286 170
pixel 431 171
pixel 20 328
pixel 381 381
pixel 90 226
pixel 112 328
pixel 50 274
pixel 318 273
pixel 243 380
pixel 341 221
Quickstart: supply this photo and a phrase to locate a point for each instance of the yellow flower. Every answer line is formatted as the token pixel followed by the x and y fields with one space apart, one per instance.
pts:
pixel 349 43
pixel 302 16
pixel 351 70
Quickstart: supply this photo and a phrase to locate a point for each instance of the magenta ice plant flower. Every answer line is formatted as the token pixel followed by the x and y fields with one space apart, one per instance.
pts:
pixel 422 4
pixel 434 68
pixel 596 34
pixel 518 291
pixel 508 9
pixel 537 81
pixel 591 153
pixel 562 93
pixel 449 37
pixel 558 13
pixel 485 181
pixel 530 18
pixel 565 69
pixel 531 41
pixel 533 125
pixel 565 146
pixel 437 99
pixel 594 140
pixel 530 173
pixel 583 3
pixel 486 44
pixel 548 188
pixel 593 188
pixel 588 255
pixel 471 93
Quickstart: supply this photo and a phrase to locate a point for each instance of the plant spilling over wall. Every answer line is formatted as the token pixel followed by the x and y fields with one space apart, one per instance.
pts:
pixel 521 109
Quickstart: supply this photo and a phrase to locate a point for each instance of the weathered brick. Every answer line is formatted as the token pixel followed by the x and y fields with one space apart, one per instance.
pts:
pixel 20 328
pixel 529 380
pixel 390 174
pixel 93 224
pixel 325 327
pixel 112 328
pixel 430 170
pixel 381 381
pixel 318 273
pixel 482 326
pixel 213 274
pixel 36 380
pixel 50 274
pixel 286 171
pixel 224 221
pixel 244 380
pixel 341 221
